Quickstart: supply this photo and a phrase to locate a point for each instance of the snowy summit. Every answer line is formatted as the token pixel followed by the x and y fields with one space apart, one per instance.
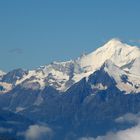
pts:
pixel 123 59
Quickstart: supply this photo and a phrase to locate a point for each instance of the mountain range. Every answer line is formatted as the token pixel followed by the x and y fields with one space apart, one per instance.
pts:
pixel 76 98
pixel 117 56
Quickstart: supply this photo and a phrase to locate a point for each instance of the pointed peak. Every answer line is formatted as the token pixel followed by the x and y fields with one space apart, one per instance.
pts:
pixel 114 42
pixel 116 46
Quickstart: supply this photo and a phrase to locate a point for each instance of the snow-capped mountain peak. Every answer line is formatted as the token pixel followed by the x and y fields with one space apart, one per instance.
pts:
pixel 119 53
pixel 110 74
pixel 117 57
pixel 113 43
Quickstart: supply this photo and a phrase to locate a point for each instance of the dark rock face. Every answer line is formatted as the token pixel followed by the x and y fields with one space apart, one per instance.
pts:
pixel 13 76
pixel 11 124
pixel 80 111
pixel 101 76
pixel 2 88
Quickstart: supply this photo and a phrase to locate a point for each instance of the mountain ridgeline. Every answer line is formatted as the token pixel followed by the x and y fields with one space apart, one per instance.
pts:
pixel 77 98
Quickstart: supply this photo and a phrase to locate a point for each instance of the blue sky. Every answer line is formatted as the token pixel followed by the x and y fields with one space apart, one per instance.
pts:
pixel 37 32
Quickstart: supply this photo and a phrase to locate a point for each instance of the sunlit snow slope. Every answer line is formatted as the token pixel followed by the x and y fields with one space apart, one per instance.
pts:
pixel 122 60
